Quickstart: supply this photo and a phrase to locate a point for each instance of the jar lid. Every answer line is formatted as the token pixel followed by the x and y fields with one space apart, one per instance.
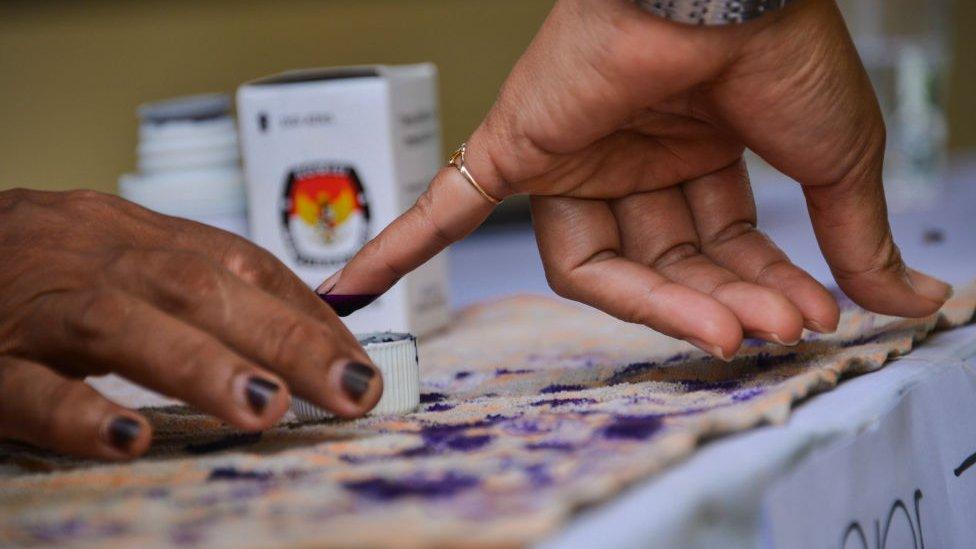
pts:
pixel 192 107
pixel 395 354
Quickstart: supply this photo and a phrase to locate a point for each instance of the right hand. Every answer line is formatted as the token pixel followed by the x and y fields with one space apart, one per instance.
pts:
pixel 627 132
pixel 91 284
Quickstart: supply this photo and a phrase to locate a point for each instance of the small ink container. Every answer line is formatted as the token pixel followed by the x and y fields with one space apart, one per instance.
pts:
pixel 189 162
pixel 395 354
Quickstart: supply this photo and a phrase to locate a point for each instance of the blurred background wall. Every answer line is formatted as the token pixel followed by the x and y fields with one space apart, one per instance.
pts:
pixel 72 73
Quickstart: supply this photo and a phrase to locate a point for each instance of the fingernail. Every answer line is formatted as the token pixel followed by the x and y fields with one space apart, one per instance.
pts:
pixel 259 392
pixel 329 283
pixel 713 350
pixel 122 431
pixel 815 326
pixel 355 379
pixel 345 305
pixel 935 290
pixel 929 287
pixel 770 336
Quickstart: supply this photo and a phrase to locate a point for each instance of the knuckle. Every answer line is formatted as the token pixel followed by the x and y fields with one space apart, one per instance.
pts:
pixel 194 277
pixel 84 195
pixel 638 313
pixel 733 231
pixel 99 314
pixel 58 418
pixel 641 310
pixel 294 341
pixel 85 199
pixel 374 250
pixel 779 268
pixel 676 254
pixel 885 259
pixel 11 197
pixel 188 364
pixel 22 208
pixel 560 283
pixel 426 207
pixel 127 260
pixel 258 268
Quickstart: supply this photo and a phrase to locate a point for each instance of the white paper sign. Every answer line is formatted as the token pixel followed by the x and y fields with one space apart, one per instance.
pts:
pixel 907 482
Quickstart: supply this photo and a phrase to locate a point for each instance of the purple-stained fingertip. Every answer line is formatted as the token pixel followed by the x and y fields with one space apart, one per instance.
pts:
pixel 347 304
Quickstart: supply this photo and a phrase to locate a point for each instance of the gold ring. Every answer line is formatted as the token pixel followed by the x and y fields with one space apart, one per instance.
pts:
pixel 457 160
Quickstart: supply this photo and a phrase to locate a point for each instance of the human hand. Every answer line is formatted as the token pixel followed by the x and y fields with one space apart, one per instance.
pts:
pixel 91 284
pixel 628 132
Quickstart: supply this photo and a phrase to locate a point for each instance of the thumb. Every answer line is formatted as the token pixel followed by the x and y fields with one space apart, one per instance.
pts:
pixel 850 218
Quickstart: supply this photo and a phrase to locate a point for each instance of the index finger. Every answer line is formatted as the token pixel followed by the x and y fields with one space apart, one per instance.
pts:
pixel 450 209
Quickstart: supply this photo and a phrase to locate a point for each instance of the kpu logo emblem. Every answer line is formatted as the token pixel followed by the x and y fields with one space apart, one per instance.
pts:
pixel 324 214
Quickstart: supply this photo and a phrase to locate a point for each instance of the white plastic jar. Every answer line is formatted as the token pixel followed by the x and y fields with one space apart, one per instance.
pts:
pixel 189 162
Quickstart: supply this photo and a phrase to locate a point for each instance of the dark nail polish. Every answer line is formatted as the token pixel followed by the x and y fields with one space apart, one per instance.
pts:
pixel 259 392
pixel 122 431
pixel 345 305
pixel 356 378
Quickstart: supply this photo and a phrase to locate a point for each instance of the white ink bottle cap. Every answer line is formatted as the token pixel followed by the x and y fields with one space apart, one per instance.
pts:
pixel 395 354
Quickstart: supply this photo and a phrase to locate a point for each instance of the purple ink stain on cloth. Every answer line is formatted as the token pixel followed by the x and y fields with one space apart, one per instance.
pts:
pixel 467 443
pixel 631 370
pixel 721 385
pixel 632 427
pixel 437 432
pixel 423 486
pixel 556 445
pixel 345 305
pixel 538 475
pixel 457 442
pixel 747 394
pixel 427 398
pixel 558 388
pixel 439 407
pixel 193 532
pixel 524 426
pixel 863 340
pixel 434 445
pixel 461 375
pixel 554 402
pixel 766 361
pixel 74 530
pixel 506 371
pixel 186 537
pixel 447 437
pixel 233 473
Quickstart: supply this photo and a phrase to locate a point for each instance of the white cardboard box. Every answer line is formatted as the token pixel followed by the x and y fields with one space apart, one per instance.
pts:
pixel 331 157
